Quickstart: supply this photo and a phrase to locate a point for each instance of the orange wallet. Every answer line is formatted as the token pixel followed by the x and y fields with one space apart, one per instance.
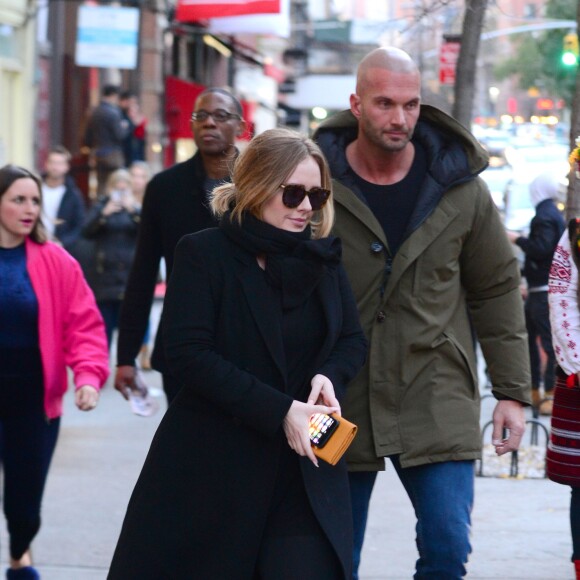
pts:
pixel 338 443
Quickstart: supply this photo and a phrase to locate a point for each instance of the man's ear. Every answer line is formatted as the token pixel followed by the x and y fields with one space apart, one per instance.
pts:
pixel 242 128
pixel 355 105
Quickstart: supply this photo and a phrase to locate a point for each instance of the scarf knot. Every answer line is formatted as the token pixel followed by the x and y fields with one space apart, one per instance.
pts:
pixel 295 263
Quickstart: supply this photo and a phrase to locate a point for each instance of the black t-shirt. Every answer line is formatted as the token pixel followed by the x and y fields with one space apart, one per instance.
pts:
pixel 393 204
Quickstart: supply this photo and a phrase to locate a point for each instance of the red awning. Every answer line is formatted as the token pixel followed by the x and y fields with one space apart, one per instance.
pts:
pixel 180 96
pixel 195 10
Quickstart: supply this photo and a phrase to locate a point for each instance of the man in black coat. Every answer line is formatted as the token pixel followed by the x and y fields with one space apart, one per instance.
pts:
pixel 105 133
pixel 62 202
pixel 546 228
pixel 175 204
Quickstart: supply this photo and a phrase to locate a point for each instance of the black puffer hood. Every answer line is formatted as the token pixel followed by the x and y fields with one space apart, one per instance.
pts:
pixel 454 156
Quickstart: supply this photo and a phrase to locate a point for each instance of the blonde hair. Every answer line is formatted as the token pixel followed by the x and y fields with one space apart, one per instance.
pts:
pixel 260 170
pixel 117 175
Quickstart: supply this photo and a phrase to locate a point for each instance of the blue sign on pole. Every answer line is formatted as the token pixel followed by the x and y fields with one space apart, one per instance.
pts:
pixel 107 37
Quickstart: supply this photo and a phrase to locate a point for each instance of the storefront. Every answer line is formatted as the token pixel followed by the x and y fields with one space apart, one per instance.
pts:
pixel 17 84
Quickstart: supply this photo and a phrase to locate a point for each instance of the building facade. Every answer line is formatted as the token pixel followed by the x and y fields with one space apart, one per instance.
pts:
pixel 17 81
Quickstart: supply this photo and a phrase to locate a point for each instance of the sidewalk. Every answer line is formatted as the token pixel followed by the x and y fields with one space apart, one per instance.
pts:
pixel 520 527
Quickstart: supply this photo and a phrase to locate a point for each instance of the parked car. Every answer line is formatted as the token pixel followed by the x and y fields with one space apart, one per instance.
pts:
pixel 496 142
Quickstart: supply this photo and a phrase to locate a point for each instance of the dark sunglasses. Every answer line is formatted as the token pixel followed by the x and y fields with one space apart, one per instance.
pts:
pixel 293 195
pixel 219 115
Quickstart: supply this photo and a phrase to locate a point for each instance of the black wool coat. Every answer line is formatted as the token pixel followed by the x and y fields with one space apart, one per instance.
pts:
pixel 174 205
pixel 200 505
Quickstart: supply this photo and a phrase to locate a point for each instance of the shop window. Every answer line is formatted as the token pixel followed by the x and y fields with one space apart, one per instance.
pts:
pixel 8 41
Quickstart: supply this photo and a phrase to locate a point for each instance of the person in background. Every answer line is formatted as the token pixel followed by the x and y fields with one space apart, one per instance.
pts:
pixel 140 175
pixel 48 321
pixel 105 133
pixel 63 204
pixel 261 329
pixel 134 142
pixel 428 259
pixel 538 246
pixel 562 458
pixel 112 223
pixel 176 203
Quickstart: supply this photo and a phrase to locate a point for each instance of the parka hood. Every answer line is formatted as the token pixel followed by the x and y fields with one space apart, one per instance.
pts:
pixel 453 154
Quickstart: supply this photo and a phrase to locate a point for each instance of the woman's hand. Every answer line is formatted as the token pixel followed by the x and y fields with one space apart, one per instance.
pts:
pixel 322 393
pixel 86 398
pixel 129 203
pixel 296 425
pixel 111 207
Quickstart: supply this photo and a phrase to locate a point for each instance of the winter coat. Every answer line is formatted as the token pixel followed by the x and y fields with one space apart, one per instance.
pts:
pixel 199 508
pixel 175 204
pixel 546 228
pixel 70 215
pixel 106 130
pixel 417 395
pixel 70 327
pixel 114 240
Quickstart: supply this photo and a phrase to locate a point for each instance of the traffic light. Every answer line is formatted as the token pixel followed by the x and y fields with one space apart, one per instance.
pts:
pixel 570 49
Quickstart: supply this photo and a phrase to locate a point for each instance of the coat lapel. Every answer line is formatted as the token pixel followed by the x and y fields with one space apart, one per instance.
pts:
pixel 359 209
pixel 263 307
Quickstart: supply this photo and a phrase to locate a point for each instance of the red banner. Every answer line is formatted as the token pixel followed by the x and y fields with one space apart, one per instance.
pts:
pixel 194 10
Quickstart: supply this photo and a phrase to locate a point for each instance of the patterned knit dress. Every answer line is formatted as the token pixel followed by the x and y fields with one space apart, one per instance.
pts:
pixel 563 455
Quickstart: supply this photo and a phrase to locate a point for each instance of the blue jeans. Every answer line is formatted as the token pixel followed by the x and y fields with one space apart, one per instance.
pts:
pixel 538 325
pixel 110 311
pixel 27 443
pixel 442 497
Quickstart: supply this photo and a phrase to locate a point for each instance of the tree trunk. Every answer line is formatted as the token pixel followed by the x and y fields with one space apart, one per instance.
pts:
pixel 573 198
pixel 467 62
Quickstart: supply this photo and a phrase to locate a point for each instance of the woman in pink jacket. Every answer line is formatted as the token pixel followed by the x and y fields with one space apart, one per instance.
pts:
pixel 48 321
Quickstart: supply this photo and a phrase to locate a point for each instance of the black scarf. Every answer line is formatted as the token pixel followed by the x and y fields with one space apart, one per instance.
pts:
pixel 294 262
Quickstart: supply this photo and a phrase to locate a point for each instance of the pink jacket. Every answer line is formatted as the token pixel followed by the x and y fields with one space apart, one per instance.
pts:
pixel 70 327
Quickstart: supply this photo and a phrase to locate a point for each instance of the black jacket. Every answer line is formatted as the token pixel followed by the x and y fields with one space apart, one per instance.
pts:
pixel 106 129
pixel 70 215
pixel 174 205
pixel 114 238
pixel 546 228
pixel 199 508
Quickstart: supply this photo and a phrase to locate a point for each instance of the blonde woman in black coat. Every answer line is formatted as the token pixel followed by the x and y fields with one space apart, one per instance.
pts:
pixel 261 328
pixel 112 223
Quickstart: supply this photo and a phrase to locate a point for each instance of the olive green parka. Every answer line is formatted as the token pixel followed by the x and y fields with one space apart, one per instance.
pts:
pixel 417 395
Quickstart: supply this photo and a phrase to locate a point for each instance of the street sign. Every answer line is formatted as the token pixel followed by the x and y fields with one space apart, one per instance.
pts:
pixel 448 56
pixel 107 37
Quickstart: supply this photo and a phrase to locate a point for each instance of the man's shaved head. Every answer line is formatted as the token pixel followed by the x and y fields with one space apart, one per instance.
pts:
pixel 386 58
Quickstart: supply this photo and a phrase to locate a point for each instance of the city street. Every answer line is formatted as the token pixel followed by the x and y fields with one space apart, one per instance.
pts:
pixel 520 527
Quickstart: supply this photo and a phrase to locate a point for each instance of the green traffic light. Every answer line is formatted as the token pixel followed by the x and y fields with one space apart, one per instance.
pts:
pixel 569 59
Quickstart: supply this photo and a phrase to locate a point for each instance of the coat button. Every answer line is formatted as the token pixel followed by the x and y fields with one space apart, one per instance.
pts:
pixel 376 247
pixel 381 316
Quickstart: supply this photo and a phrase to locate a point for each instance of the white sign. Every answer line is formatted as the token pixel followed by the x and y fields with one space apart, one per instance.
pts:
pixel 107 37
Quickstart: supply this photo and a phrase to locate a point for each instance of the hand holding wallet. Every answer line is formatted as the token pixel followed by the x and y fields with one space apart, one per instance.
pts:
pixel 338 442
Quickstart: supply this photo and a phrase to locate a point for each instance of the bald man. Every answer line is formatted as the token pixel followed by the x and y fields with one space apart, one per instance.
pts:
pixel 427 257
